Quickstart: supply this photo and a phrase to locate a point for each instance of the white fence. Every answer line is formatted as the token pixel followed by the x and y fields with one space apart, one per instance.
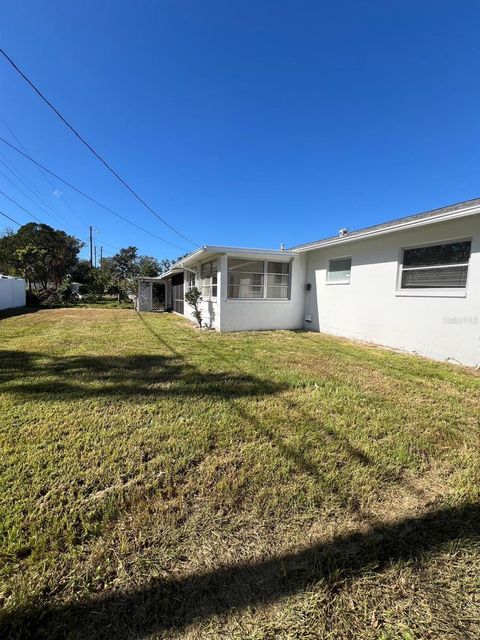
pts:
pixel 12 292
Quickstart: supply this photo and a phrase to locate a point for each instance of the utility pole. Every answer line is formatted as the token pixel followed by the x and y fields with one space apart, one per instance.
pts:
pixel 101 258
pixel 95 256
pixel 91 245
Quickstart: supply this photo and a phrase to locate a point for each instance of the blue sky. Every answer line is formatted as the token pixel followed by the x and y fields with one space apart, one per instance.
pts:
pixel 243 122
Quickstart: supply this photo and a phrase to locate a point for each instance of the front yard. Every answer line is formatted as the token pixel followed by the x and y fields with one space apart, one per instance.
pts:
pixel 158 481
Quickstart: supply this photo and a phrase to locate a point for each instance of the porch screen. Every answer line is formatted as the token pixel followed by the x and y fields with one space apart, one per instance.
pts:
pixel 258 279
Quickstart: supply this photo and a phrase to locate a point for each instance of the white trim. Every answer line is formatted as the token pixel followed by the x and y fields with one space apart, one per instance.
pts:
pixel 235 300
pixel 329 283
pixel 239 252
pixel 399 226
pixel 434 243
pixel 432 292
pixel 437 266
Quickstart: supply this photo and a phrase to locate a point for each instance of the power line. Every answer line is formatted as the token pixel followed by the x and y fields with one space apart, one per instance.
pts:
pixel 24 148
pixel 30 187
pixel 27 196
pixel 11 219
pixel 110 246
pixel 42 173
pixel 19 206
pixel 85 195
pixel 97 155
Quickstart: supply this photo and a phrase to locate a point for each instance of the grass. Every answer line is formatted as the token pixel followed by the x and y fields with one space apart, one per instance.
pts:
pixel 158 481
pixel 104 303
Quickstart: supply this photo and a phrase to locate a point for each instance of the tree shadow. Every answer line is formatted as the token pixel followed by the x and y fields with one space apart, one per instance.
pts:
pixel 177 602
pixel 290 453
pixel 136 377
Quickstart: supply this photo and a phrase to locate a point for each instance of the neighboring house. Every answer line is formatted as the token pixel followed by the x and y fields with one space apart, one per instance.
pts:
pixel 12 292
pixel 411 284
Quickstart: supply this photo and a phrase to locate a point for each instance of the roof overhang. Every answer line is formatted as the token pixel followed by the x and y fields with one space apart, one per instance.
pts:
pixel 150 278
pixel 398 225
pixel 212 250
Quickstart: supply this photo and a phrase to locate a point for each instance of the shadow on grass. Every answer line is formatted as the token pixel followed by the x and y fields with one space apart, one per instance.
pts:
pixel 289 452
pixel 175 603
pixel 19 311
pixel 165 604
pixel 56 378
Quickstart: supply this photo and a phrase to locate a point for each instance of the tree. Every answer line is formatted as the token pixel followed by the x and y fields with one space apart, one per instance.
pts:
pixel 99 282
pixel 39 253
pixel 124 264
pixel 149 267
pixel 123 268
pixel 7 247
pixel 81 272
pixel 193 297
pixel 165 265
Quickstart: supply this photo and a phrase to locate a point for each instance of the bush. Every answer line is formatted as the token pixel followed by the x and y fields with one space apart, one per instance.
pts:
pixel 193 297
pixel 65 293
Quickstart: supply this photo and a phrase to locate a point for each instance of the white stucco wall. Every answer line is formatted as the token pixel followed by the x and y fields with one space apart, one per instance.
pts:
pixel 210 307
pixel 251 315
pixel 371 309
pixel 210 313
pixel 12 293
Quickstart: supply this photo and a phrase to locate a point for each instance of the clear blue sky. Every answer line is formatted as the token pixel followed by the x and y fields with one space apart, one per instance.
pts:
pixel 245 122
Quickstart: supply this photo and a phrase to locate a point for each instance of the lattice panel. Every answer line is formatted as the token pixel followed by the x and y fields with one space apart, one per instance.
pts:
pixel 144 296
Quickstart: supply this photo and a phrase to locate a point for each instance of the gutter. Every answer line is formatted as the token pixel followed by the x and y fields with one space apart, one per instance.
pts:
pixel 386 230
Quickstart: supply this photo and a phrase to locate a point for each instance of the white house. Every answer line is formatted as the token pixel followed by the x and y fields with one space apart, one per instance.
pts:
pixel 411 284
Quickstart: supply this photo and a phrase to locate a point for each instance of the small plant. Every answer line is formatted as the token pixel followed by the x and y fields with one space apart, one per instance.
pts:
pixel 193 297
pixel 65 293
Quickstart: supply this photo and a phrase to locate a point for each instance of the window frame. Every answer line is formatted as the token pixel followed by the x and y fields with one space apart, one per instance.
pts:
pixel 190 274
pixel 341 282
pixel 432 292
pixel 203 281
pixel 265 285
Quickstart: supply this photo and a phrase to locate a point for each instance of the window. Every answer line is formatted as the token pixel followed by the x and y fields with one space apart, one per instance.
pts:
pixel 209 277
pixel 190 280
pixel 258 279
pixel 278 274
pixel 339 270
pixel 443 266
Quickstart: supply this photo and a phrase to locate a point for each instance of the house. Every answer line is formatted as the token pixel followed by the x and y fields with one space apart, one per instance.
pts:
pixel 411 284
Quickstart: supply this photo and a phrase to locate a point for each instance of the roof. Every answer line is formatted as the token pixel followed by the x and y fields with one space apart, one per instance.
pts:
pixel 460 209
pixel 150 278
pixel 206 250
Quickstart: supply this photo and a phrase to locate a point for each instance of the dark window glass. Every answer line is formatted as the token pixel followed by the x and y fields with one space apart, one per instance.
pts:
pixel 440 254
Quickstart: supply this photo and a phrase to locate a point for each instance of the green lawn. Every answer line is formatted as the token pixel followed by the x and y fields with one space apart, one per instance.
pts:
pixel 158 481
